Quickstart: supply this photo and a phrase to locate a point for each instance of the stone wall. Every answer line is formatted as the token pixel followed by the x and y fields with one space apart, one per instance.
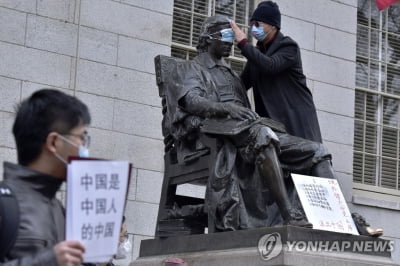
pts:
pixel 326 32
pixel 102 51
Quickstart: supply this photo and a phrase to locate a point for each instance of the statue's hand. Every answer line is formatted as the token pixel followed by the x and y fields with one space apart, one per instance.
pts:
pixel 238 112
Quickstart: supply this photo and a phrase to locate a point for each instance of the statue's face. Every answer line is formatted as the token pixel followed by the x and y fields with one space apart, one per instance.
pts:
pixel 217 47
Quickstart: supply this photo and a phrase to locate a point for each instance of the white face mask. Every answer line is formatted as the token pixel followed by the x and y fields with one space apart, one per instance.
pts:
pixel 82 150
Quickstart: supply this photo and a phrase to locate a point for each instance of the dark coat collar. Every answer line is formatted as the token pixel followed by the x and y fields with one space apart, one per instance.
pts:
pixel 45 184
pixel 274 45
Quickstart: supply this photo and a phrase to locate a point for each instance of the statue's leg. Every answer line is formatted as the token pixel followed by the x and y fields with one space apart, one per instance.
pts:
pixel 321 166
pixel 269 168
pixel 323 169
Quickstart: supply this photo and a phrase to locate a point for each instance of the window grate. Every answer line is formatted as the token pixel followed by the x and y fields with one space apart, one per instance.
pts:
pixel 377 115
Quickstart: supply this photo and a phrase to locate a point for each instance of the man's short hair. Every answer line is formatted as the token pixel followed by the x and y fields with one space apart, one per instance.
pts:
pixel 45 111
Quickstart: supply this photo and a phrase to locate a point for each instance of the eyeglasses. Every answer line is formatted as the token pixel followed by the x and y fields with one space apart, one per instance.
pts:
pixel 84 137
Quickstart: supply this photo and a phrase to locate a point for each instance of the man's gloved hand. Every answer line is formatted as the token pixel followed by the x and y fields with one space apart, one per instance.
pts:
pixel 238 112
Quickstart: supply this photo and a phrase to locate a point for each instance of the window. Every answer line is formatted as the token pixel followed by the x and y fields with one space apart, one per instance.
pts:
pixel 377 98
pixel 188 16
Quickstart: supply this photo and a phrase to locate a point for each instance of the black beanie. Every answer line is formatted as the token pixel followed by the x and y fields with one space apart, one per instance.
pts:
pixel 267 12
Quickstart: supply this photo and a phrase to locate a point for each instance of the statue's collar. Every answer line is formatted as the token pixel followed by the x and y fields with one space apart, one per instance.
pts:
pixel 206 60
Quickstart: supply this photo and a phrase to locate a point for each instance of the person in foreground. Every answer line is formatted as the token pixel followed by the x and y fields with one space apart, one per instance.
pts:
pixel 49 127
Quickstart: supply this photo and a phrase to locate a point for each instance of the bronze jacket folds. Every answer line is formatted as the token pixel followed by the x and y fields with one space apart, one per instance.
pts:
pixel 42 219
pixel 280 89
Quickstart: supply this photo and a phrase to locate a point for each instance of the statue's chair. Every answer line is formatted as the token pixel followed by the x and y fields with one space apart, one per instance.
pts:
pixel 177 171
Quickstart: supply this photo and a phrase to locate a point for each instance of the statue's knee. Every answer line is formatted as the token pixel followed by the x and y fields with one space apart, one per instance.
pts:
pixel 268 153
pixel 321 161
pixel 323 168
pixel 321 153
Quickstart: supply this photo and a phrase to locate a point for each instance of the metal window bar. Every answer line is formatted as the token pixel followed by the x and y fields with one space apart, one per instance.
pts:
pixel 381 64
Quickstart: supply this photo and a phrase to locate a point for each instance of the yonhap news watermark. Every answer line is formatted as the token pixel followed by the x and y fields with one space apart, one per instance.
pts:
pixel 271 245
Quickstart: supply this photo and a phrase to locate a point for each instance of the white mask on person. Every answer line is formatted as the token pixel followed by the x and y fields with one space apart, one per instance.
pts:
pixel 123 249
pixel 83 151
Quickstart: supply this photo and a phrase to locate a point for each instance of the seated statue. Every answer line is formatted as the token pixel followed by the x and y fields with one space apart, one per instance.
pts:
pixel 210 99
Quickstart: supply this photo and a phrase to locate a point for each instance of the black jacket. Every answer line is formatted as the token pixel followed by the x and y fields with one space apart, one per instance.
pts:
pixel 42 218
pixel 280 89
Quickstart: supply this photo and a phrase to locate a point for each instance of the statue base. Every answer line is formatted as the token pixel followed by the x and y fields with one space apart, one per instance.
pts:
pixel 286 245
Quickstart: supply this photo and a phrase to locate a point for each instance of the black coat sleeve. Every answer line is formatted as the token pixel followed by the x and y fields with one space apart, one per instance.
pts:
pixel 245 77
pixel 282 59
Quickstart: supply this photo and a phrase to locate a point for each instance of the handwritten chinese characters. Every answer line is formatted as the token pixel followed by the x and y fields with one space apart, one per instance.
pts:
pixel 316 195
pixel 324 204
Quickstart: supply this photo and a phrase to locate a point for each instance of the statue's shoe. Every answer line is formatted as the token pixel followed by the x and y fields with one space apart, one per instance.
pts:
pixel 374 232
pixel 300 223
pixel 297 218
pixel 364 228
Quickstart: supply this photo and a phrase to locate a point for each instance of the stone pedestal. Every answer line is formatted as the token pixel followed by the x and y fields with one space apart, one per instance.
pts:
pixel 268 246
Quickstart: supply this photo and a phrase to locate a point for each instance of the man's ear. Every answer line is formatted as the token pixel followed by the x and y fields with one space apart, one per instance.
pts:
pixel 51 142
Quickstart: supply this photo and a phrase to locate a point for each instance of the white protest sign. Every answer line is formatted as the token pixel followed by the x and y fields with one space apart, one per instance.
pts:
pixel 324 204
pixel 96 192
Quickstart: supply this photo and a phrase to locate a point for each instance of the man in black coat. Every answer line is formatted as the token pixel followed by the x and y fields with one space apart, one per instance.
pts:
pixel 275 72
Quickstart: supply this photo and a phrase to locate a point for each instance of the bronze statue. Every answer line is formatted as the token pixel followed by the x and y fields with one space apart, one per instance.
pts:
pixel 210 99
pixel 249 185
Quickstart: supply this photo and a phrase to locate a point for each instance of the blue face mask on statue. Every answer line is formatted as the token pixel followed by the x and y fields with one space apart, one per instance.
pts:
pixel 258 33
pixel 226 35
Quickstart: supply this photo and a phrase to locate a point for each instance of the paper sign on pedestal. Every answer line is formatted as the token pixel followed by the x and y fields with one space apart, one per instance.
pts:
pixel 96 193
pixel 324 204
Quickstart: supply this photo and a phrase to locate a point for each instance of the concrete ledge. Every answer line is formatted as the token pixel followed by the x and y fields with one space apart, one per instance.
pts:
pixel 250 239
pixel 250 256
pixel 284 245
